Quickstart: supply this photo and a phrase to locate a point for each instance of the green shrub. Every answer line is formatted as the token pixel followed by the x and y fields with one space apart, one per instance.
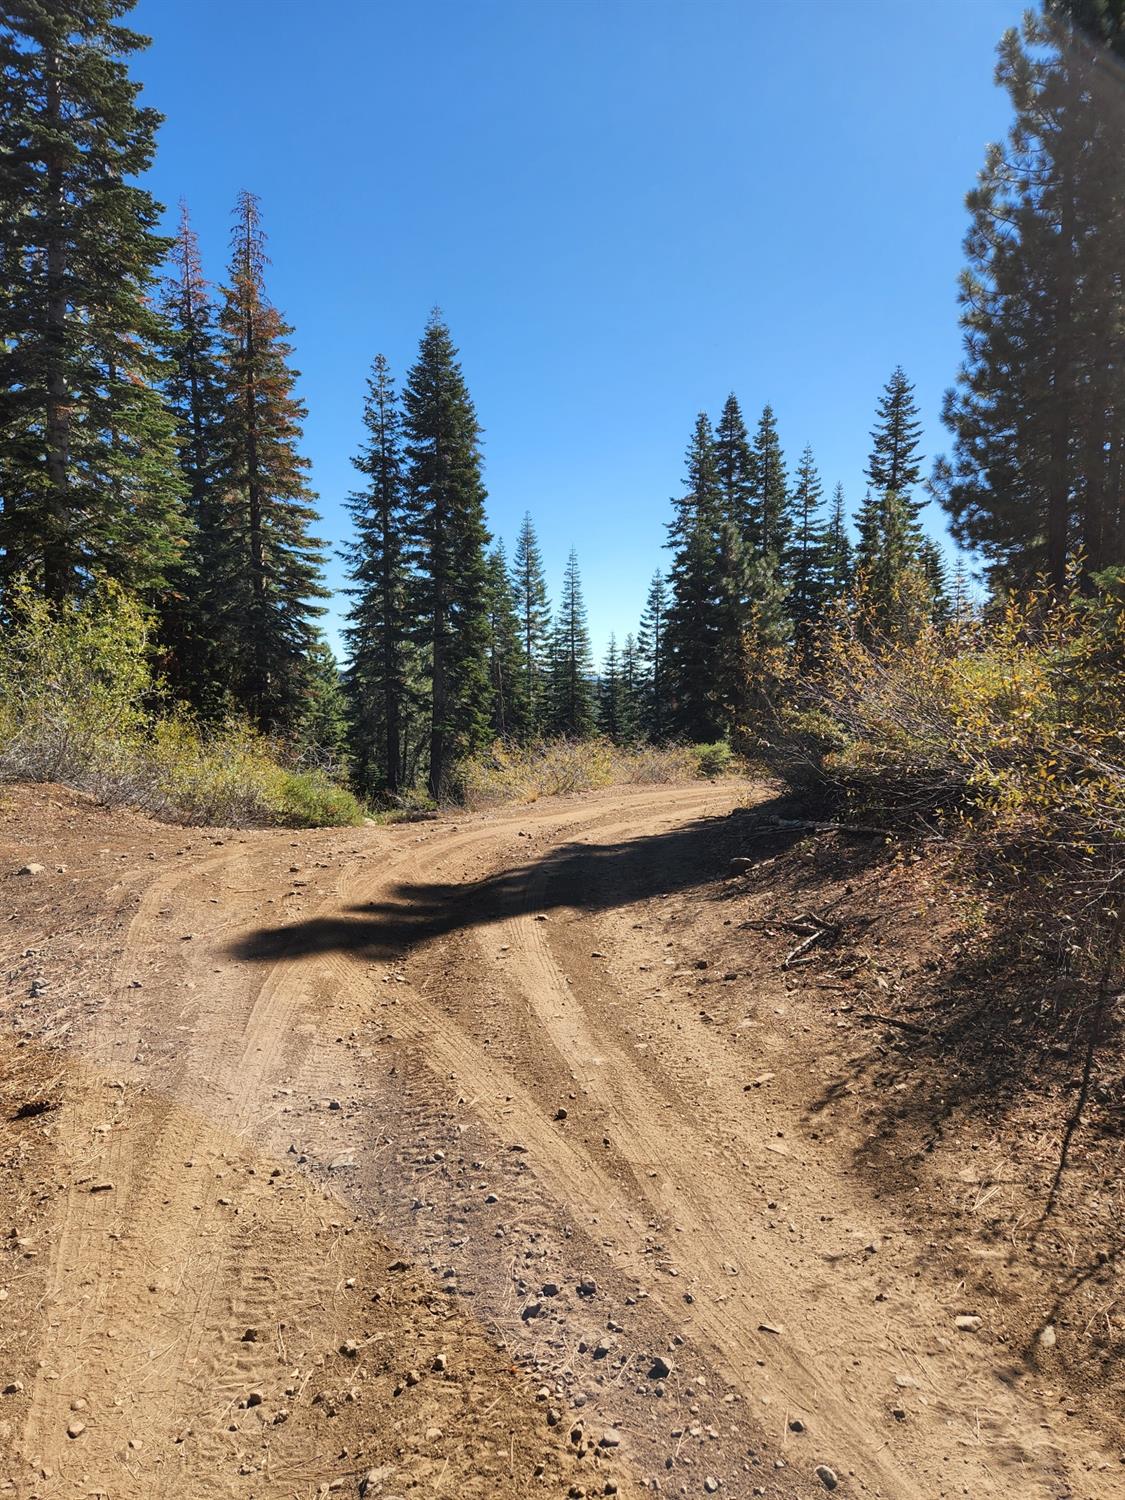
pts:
pixel 79 705
pixel 714 760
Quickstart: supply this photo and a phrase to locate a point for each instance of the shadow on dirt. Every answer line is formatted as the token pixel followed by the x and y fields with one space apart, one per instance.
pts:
pixel 590 877
pixel 976 1031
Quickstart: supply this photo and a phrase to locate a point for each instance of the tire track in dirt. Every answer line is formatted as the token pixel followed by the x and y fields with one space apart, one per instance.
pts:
pixel 648 1129
pixel 123 1352
pixel 153 1283
pixel 643 1134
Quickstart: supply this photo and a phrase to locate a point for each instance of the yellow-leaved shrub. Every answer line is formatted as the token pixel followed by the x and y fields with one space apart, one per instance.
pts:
pixel 79 705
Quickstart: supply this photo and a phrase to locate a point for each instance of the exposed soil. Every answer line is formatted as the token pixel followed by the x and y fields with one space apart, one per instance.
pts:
pixel 499 1157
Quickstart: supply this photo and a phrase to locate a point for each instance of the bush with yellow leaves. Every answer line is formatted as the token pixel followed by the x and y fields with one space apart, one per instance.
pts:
pixel 524 773
pixel 1009 725
pixel 79 706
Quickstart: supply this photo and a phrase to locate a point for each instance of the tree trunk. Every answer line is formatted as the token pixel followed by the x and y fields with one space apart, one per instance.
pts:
pixel 57 567
pixel 260 675
pixel 439 705
pixel 1061 395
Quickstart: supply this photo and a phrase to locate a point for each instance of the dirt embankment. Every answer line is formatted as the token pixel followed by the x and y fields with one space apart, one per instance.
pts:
pixel 502 1157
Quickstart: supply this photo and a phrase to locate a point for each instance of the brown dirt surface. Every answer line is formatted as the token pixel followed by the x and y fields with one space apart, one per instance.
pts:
pixel 503 1156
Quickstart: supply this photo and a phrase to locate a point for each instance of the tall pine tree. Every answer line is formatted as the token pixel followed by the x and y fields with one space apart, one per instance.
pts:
pixel 508 705
pixel 534 613
pixel 572 693
pixel 838 552
pixel 652 655
pixel 894 463
pixel 734 470
pixel 696 617
pixel 611 700
pixel 1038 412
pixel 807 560
pixel 192 610
pixel 769 502
pixel 632 693
pixel 270 565
pixel 379 678
pixel 446 494
pixel 89 483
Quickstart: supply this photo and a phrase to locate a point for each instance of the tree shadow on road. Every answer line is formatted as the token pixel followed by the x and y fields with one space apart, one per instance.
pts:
pixel 592 877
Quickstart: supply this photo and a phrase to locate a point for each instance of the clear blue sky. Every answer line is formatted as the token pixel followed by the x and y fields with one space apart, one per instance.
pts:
pixel 625 208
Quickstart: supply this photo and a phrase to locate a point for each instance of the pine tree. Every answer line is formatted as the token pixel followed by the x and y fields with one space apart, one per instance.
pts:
pixel 894 580
pixel 769 505
pixel 611 695
pixel 631 711
pixel 696 615
pixel 1038 412
pixel 508 715
pixel 933 568
pixel 89 480
pixel 961 602
pixel 838 561
pixel 572 695
pixel 269 572
pixel 324 715
pixel 894 462
pixel 734 469
pixel 806 565
pixel 652 655
pixel 766 641
pixel 379 678
pixel 534 614
pixel 869 524
pixel 448 534
pixel 191 612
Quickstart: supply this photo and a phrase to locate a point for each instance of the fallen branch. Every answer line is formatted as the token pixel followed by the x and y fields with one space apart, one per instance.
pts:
pixel 824 930
pixel 863 830
pixel 871 1015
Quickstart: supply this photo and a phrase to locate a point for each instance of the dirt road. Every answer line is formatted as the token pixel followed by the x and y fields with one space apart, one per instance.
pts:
pixel 463 1158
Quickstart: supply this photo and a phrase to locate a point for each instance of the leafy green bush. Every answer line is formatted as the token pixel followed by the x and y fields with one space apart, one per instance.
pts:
pixel 78 705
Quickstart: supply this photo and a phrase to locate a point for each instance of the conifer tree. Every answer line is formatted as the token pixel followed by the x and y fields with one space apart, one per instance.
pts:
pixel 766 641
pixel 446 495
pixel 893 582
pixel 534 612
pixel 960 603
pixel 508 714
pixel 632 701
pixel 1038 411
pixel 869 524
pixel 932 564
pixel 806 567
pixel 653 658
pixel 769 505
pixel 734 469
pixel 611 713
pixel 270 566
pixel 379 678
pixel 696 613
pixel 889 549
pixel 192 610
pixel 324 716
pixel 89 480
pixel 572 695
pixel 894 463
pixel 838 563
